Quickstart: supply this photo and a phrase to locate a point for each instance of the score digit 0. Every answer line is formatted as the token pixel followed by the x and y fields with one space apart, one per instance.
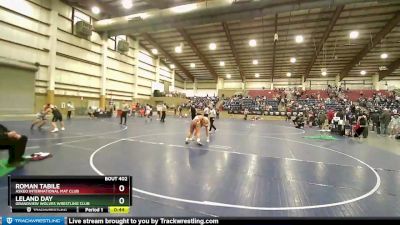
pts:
pixel 121 200
pixel 121 188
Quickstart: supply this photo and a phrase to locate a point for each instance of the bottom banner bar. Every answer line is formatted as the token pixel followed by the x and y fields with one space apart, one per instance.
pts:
pixel 19 220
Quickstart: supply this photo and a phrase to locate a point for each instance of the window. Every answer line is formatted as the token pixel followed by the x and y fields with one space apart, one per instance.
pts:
pixel 78 15
pixel 121 37
pixel 113 41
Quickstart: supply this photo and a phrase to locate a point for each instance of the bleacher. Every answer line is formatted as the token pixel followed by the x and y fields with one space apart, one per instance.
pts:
pixel 308 100
pixel 202 102
pixel 267 93
pixel 321 93
pixel 354 95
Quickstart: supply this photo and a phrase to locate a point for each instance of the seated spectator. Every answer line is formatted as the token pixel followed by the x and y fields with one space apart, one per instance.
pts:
pixel 15 144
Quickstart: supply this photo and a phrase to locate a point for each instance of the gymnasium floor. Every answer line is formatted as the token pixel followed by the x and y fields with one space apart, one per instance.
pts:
pixel 250 168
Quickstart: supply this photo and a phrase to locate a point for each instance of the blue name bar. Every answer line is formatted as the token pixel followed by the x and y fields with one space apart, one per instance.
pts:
pixel 27 220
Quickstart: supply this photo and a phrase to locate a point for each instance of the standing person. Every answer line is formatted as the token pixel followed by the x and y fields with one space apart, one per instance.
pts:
pixel 206 111
pixel 57 116
pixel 70 108
pixel 384 120
pixel 341 122
pixel 151 112
pixel 321 119
pixel 180 111
pixel 159 108
pixel 124 113
pixel 193 111
pixel 246 112
pixel 14 143
pixel 375 121
pixel 330 115
pixel 195 127
pixel 148 112
pixel 361 125
pixel 394 125
pixel 213 114
pixel 163 112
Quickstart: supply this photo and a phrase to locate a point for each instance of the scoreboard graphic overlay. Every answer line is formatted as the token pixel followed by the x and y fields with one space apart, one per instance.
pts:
pixel 86 194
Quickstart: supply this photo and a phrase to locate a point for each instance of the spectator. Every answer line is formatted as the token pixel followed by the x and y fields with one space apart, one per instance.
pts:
pixel 124 113
pixel 361 125
pixel 70 108
pixel 331 114
pixel 15 144
pixel 246 112
pixel 375 121
pixel 394 125
pixel 321 119
pixel 384 120
pixel 159 109
pixel 163 112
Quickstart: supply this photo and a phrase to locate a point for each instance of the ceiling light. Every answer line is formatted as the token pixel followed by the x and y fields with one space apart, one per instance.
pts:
pixel 192 65
pixel 184 8
pixel 172 66
pixel 299 38
pixel 212 46
pixel 127 4
pixel 323 71
pixel 363 72
pixel 95 10
pixel 354 34
pixel 154 51
pixel 255 62
pixel 382 68
pixel 178 49
pixel 293 60
pixel 288 74
pixel 222 63
pixel 257 75
pixel 384 55
pixel 228 76
pixel 253 43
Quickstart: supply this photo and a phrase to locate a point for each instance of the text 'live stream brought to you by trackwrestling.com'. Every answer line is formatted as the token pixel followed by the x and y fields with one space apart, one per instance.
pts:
pixel 17 220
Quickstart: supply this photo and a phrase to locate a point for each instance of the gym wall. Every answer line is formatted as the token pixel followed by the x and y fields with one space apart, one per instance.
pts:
pixel 25 26
pixel 16 91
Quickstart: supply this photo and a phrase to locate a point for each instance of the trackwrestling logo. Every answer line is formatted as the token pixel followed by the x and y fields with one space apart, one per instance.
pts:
pixel 33 220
